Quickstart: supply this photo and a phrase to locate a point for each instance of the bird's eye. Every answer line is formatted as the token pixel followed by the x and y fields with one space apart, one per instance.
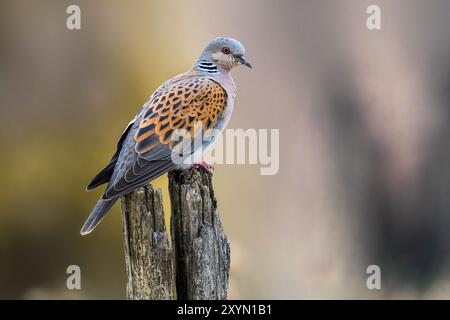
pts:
pixel 226 50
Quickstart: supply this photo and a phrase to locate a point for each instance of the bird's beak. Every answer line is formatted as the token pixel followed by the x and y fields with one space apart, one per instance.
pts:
pixel 242 60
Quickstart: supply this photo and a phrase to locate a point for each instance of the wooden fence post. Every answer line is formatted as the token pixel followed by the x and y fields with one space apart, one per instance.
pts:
pixel 196 265
pixel 148 255
pixel 201 248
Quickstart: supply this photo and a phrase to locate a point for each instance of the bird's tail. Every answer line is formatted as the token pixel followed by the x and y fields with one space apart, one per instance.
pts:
pixel 97 214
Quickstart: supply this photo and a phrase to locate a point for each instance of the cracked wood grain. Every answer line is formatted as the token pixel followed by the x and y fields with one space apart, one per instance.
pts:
pixel 196 264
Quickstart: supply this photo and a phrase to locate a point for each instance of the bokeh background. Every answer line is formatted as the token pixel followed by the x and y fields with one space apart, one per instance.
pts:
pixel 364 119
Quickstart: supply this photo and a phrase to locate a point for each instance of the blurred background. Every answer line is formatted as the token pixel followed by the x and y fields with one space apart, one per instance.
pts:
pixel 364 119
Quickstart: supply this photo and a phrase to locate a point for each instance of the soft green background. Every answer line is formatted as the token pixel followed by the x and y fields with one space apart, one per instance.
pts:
pixel 363 116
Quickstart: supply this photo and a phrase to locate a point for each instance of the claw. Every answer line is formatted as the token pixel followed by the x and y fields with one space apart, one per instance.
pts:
pixel 202 165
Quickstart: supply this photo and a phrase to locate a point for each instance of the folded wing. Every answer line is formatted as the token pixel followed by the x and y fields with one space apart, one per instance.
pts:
pixel 185 107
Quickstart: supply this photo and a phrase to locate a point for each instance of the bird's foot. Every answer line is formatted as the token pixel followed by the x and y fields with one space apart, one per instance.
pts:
pixel 202 165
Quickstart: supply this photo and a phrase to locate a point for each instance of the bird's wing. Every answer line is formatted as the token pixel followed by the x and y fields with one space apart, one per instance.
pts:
pixel 105 175
pixel 185 104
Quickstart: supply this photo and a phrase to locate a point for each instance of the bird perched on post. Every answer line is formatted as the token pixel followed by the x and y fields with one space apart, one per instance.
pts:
pixel 201 97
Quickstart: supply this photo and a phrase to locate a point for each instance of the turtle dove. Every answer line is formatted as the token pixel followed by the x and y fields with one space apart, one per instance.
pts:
pixel 202 96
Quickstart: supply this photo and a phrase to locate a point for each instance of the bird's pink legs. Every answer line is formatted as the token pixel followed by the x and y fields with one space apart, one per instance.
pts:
pixel 204 166
pixel 200 165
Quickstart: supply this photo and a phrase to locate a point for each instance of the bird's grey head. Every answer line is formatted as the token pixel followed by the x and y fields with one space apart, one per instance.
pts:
pixel 226 53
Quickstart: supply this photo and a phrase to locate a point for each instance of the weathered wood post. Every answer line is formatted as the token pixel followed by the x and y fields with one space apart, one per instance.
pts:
pixel 148 255
pixel 196 265
pixel 201 248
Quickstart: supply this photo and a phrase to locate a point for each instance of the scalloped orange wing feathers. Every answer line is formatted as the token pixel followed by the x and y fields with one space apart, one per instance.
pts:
pixel 183 104
pixel 180 106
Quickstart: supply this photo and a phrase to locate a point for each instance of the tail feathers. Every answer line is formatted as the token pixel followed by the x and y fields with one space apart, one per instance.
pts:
pixel 103 176
pixel 97 214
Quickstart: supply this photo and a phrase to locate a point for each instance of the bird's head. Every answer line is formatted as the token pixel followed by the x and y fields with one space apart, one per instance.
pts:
pixel 226 53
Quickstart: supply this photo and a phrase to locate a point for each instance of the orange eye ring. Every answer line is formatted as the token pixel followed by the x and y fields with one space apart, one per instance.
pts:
pixel 226 50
